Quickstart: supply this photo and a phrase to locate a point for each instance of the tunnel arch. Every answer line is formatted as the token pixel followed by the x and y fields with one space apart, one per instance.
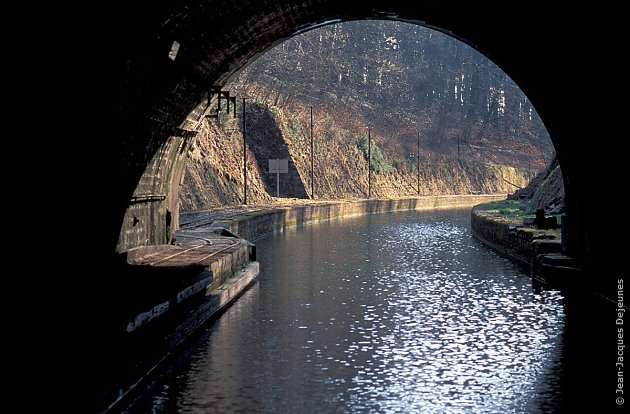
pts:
pixel 156 98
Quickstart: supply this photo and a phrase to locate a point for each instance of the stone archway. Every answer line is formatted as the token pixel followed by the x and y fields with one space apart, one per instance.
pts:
pixel 154 95
pixel 145 101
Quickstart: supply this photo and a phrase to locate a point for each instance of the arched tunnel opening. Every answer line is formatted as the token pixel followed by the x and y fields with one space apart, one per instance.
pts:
pixel 164 59
pixel 160 117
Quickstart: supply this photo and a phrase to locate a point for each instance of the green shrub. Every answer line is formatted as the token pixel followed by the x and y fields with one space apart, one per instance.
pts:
pixel 380 162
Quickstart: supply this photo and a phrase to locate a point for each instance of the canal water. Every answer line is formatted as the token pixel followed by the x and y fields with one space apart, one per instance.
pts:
pixel 402 312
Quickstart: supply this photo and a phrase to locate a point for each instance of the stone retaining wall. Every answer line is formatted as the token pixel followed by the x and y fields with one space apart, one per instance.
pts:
pixel 251 226
pixel 518 242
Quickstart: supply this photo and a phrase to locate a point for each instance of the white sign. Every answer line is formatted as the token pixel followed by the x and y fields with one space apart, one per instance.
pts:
pixel 279 166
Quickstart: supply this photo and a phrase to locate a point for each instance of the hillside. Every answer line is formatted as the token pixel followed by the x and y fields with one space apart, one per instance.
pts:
pixel 214 169
pixel 478 132
pixel 403 79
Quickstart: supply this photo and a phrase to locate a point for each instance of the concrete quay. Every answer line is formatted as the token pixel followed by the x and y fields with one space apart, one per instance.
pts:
pixel 167 293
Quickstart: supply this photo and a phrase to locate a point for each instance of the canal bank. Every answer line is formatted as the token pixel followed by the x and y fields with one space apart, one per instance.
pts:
pixel 501 225
pixel 533 241
pixel 254 222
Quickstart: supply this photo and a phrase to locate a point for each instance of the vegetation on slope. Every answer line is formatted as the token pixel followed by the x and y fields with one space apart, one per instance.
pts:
pixel 214 170
pixel 401 80
pixel 478 132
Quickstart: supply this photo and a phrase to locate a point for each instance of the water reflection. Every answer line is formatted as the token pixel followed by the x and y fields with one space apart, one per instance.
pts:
pixel 385 313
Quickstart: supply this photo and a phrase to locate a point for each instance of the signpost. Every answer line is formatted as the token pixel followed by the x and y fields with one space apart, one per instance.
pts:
pixel 278 166
pixel 312 159
pixel 418 164
pixel 369 163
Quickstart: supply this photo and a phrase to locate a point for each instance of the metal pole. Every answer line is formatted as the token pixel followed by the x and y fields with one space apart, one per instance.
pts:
pixel 312 159
pixel 369 164
pixel 418 163
pixel 244 157
pixel 278 181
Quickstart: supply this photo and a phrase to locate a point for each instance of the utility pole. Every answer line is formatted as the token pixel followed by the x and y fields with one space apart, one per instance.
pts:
pixel 369 163
pixel 312 158
pixel 244 156
pixel 418 163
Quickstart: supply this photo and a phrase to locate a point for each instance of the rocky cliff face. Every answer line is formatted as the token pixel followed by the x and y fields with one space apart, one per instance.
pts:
pixel 545 191
pixel 549 195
